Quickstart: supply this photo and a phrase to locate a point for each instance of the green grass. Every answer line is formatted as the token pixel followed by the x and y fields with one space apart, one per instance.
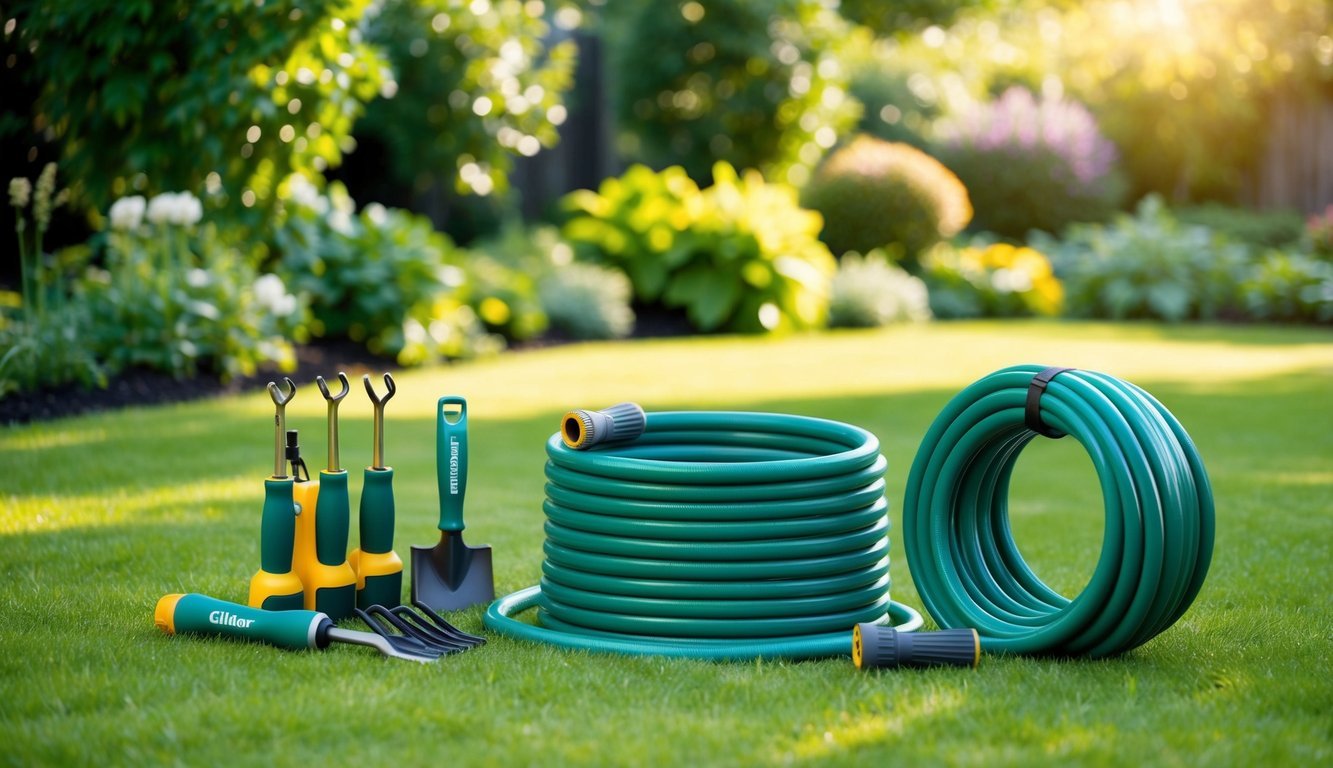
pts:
pixel 104 514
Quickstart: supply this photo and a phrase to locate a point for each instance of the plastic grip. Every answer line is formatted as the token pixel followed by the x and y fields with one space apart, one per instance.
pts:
pixel 451 462
pixel 277 526
pixel 377 511
pixel 200 614
pixel 332 513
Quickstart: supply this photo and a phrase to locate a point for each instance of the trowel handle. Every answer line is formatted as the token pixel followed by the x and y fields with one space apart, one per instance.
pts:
pixel 451 459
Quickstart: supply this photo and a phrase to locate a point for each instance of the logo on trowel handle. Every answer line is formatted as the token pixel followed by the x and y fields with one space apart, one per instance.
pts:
pixel 453 465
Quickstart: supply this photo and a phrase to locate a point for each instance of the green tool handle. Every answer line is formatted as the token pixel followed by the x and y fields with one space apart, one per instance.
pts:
pixel 451 462
pixel 332 513
pixel 277 528
pixel 201 614
pixel 377 512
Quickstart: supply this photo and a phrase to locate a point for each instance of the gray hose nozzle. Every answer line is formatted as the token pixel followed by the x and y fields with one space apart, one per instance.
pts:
pixel 875 645
pixel 584 429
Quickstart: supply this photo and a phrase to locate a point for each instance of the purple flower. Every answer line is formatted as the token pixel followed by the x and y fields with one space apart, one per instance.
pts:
pixel 1017 123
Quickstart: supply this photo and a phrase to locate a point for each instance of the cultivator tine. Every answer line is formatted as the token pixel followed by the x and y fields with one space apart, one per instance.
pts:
pixel 430 624
pixel 383 624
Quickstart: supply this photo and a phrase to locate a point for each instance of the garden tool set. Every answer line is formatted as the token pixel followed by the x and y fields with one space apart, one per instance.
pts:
pixel 307 580
pixel 736 536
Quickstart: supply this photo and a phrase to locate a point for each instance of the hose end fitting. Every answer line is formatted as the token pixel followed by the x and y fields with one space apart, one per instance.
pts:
pixel 583 429
pixel 875 645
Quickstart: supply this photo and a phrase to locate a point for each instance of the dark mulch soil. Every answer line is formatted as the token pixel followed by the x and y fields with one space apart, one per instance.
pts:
pixel 321 358
pixel 144 387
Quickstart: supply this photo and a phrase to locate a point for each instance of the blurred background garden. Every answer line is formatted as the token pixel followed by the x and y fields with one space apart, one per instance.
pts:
pixel 198 189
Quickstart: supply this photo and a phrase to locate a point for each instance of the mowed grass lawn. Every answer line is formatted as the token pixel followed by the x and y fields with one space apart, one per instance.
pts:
pixel 102 515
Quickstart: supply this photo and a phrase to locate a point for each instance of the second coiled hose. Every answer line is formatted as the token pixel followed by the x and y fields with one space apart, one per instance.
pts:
pixel 714 535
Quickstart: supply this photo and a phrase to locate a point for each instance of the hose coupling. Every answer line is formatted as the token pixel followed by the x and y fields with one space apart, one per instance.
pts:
pixel 583 429
pixel 875 645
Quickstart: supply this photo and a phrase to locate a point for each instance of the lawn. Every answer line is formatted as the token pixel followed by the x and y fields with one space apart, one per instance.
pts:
pixel 104 514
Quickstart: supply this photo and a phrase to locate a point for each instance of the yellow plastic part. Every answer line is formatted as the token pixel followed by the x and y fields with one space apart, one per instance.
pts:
pixel 574 429
pixel 264 585
pixel 373 564
pixel 857 652
pixel 314 575
pixel 164 616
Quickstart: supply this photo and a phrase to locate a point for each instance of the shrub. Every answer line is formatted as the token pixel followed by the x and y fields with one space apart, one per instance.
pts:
pixel 995 280
pixel 740 255
pixel 1261 229
pixel 477 86
pixel 152 96
pixel 382 277
pixel 869 291
pixel 755 84
pixel 875 193
pixel 586 301
pixel 1289 286
pixel 1147 266
pixel 173 298
pixel 1031 164
pixel 1319 234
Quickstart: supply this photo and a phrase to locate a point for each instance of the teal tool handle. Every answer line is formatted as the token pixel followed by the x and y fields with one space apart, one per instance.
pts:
pixel 205 615
pixel 451 462
pixel 277 530
pixel 376 518
pixel 332 513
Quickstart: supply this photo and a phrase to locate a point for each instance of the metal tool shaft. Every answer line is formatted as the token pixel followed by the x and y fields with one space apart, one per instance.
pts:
pixel 334 464
pixel 280 424
pixel 377 460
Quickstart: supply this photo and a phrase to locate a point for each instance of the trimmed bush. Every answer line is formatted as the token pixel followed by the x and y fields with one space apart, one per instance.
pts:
pixel 1031 164
pixel 869 291
pixel 875 193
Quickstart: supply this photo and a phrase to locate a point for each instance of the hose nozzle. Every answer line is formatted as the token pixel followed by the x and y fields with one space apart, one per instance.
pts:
pixel 875 645
pixel 584 429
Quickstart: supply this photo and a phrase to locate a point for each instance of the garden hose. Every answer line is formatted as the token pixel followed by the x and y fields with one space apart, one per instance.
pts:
pixel 1156 543
pixel 711 535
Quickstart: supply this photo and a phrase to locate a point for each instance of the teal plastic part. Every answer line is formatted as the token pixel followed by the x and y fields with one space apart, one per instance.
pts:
pixel 451 460
pixel 712 535
pixel 332 518
pixel 200 614
pixel 277 528
pixel 1157 540
pixel 291 602
pixel 376 519
pixel 385 589
pixel 337 602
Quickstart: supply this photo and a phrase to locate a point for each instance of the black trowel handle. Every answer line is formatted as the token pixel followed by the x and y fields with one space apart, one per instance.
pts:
pixel 451 459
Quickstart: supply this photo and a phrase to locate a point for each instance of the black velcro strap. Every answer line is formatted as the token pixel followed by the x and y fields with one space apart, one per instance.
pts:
pixel 1032 411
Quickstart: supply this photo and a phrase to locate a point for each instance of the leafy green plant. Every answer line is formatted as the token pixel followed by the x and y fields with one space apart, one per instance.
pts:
pixel 174 298
pixel 740 255
pixel 1319 234
pixel 43 343
pixel 1147 265
pixel 1292 286
pixel 870 291
pixel 754 84
pixel 219 94
pixel 586 301
pixel 477 86
pixel 1031 163
pixel 1261 229
pixel 382 277
pixel 991 280
pixel 874 193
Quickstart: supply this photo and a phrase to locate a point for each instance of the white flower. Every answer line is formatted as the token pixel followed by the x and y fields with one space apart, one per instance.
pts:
pixel 181 208
pixel 127 212
pixel 377 214
pixel 160 208
pixel 302 192
pixel 197 278
pixel 269 291
pixel 285 306
pixel 340 221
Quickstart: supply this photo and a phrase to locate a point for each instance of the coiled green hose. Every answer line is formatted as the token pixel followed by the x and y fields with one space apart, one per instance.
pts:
pixel 713 535
pixel 1158 535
